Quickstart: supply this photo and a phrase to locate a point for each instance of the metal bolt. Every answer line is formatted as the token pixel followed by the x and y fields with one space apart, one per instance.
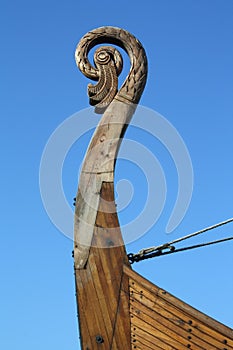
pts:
pixel 99 339
pixel 110 243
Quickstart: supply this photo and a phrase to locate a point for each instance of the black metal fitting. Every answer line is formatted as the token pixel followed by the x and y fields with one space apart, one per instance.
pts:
pixel 99 339
pixel 131 258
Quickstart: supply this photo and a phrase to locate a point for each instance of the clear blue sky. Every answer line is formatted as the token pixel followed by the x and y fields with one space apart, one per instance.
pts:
pixel 189 44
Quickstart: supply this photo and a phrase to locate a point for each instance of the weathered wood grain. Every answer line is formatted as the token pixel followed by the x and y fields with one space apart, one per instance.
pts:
pixel 117 308
pixel 118 108
pixel 160 320
pixel 102 288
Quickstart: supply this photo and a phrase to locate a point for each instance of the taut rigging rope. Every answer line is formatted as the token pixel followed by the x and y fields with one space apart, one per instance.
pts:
pixel 159 250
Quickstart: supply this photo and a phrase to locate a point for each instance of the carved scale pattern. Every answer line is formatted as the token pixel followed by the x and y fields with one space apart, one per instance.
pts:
pixel 108 66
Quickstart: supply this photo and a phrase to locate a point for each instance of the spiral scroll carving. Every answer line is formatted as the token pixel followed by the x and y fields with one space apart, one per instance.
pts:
pixel 108 65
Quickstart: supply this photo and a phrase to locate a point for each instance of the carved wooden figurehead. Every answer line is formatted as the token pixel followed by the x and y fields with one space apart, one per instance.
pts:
pixel 117 308
pixel 118 108
pixel 99 252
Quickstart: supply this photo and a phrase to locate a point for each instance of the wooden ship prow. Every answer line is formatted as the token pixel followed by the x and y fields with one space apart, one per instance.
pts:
pixel 118 308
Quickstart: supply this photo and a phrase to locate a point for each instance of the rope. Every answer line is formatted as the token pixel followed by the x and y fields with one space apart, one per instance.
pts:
pixel 159 250
pixel 136 258
pixel 202 231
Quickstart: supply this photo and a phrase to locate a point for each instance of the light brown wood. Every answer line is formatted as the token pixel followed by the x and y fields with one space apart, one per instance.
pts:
pixel 160 320
pixel 99 252
pixel 102 288
pixel 131 312
pixel 117 308
pixel 102 152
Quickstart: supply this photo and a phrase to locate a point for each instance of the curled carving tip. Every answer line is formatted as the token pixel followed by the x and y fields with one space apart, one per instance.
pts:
pixel 108 65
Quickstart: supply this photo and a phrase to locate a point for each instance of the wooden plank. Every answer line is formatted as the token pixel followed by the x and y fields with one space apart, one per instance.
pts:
pixel 213 325
pixel 171 328
pixel 93 312
pixel 155 330
pixel 183 321
pixel 86 331
pixel 98 167
pixel 122 328
pixel 145 340
pixel 143 343
pixel 155 326
pixel 178 320
pixel 102 287
pixel 152 298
